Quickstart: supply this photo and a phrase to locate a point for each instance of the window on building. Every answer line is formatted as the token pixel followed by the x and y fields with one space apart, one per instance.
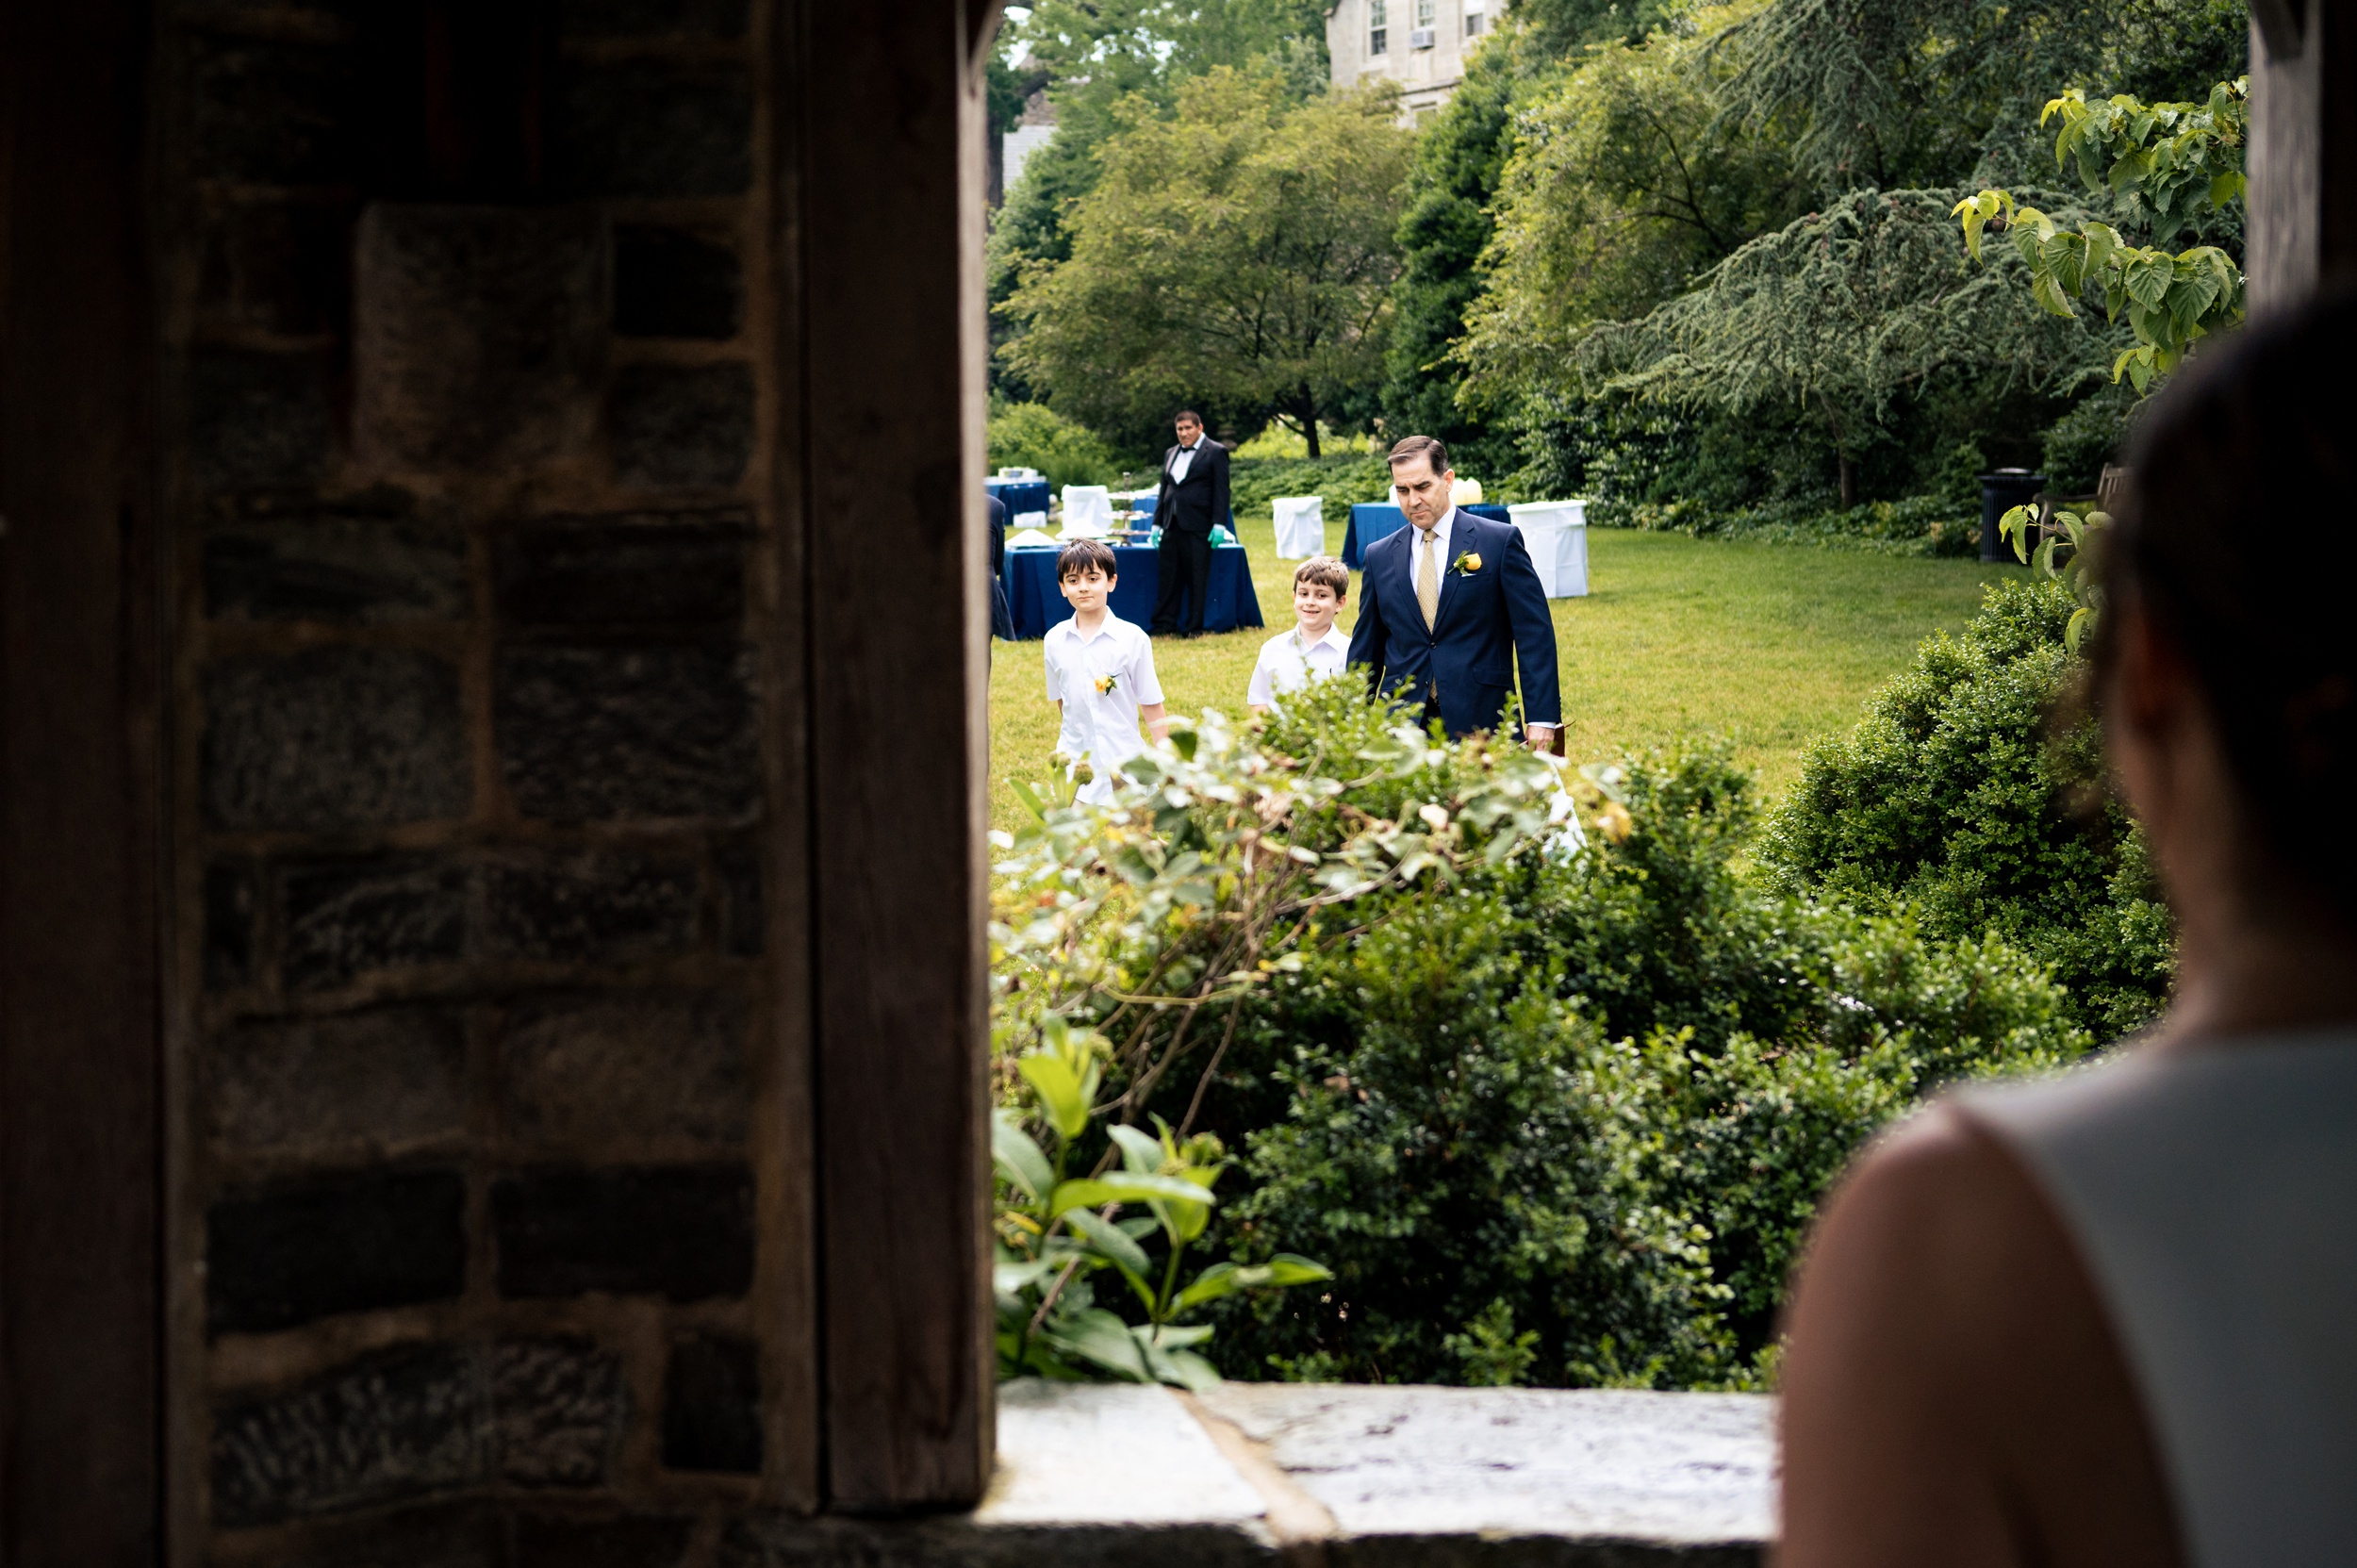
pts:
pixel 1473 15
pixel 1424 12
pixel 1378 26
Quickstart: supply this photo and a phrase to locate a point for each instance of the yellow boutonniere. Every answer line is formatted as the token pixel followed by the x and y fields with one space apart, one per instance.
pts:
pixel 1467 563
pixel 1105 684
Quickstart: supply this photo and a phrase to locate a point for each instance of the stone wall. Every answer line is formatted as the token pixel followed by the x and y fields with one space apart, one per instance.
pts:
pixel 473 1066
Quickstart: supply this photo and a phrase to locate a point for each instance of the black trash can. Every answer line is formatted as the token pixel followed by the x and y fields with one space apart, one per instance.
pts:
pixel 2000 492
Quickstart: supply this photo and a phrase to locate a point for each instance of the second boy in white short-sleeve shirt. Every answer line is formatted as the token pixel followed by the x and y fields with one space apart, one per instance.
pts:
pixel 1315 649
pixel 1100 672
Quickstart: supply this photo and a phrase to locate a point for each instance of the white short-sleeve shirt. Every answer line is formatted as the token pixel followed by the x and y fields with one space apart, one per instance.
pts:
pixel 1101 680
pixel 1289 661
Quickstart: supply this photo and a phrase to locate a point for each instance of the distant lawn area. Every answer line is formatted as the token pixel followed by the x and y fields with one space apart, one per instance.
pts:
pixel 1769 645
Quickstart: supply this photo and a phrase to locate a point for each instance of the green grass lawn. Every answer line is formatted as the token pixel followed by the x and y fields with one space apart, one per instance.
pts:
pixel 1769 645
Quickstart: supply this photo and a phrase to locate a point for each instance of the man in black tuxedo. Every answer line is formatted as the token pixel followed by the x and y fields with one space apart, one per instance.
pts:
pixel 1194 497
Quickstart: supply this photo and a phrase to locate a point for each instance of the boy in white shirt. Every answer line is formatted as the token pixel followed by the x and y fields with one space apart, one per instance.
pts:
pixel 1315 649
pixel 1100 672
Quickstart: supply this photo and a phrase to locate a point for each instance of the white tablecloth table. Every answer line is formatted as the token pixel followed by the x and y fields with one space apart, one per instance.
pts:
pixel 1088 511
pixel 1556 534
pixel 1300 527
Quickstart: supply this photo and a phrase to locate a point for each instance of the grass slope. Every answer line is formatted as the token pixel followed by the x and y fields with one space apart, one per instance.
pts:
pixel 1769 644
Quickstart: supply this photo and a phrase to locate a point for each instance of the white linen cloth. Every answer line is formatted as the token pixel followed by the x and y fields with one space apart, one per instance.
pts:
pixel 1100 726
pixel 1289 661
pixel 1556 534
pixel 1300 527
pixel 1088 511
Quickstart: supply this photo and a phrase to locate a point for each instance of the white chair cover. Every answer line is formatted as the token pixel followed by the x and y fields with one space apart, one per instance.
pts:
pixel 1088 511
pixel 1300 527
pixel 1556 534
pixel 1029 520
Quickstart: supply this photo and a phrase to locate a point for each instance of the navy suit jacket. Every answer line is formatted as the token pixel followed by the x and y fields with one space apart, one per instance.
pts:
pixel 1486 619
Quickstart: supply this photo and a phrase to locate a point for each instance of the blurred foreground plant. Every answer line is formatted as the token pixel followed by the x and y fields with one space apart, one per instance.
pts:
pixel 1124 937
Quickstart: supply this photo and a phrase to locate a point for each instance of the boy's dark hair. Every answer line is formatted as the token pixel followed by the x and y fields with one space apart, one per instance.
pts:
pixel 1189 415
pixel 2235 540
pixel 1414 447
pixel 1075 559
pixel 1326 570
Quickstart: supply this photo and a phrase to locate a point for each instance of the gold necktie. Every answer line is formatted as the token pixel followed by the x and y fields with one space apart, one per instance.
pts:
pixel 1428 575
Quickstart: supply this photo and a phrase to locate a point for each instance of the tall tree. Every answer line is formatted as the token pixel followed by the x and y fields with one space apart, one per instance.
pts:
pixel 1238 255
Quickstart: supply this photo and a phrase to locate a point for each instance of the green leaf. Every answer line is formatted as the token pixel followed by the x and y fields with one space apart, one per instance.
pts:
pixel 1290 1268
pixel 1030 797
pixel 2080 619
pixel 1109 1239
pixel 2048 294
pixel 1059 1089
pixel 1214 1283
pixel 1101 1337
pixel 1014 1154
pixel 1140 1151
pixel 1125 1187
pixel 1180 1368
pixel 2148 278
pixel 1177 1336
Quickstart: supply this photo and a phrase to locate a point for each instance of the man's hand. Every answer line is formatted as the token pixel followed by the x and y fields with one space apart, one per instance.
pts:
pixel 1542 737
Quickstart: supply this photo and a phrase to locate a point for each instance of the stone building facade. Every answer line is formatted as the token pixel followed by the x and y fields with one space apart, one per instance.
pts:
pixel 1420 44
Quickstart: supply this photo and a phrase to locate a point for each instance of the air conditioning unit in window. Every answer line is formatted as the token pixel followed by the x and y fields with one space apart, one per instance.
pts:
pixel 1420 38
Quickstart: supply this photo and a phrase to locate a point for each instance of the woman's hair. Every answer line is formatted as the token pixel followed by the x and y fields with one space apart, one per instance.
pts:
pixel 2239 539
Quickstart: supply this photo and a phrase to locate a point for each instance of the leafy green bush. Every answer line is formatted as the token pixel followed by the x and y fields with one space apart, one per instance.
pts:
pixel 1572 1125
pixel 1356 476
pixel 1546 1115
pixel 1918 525
pixel 1953 798
pixel 1033 436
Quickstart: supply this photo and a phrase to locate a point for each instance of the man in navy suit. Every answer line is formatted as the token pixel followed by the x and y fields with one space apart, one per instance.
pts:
pixel 1448 605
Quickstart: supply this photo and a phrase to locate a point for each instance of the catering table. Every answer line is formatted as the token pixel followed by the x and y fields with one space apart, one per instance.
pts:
pixel 1031 593
pixel 1021 496
pixel 1556 534
pixel 1369 523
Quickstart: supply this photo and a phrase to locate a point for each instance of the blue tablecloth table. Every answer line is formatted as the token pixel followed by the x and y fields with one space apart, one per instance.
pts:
pixel 1031 593
pixel 1021 496
pixel 1369 523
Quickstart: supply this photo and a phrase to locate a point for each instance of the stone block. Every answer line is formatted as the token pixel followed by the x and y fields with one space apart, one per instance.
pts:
pixel 560 1408
pixel 282 267
pixel 348 570
pixel 388 1078
pixel 711 1405
pixel 654 128
pixel 628 734
pixel 683 426
pixel 669 283
pixel 684 579
pixel 577 1073
pixel 348 918
pixel 1692 1471
pixel 271 111
pixel 229 905
pixel 682 1232
pixel 603 19
pixel 338 1243
pixel 415 1420
pixel 334 737
pixel 594 909
pixel 258 417
pixel 396 1424
pixel 743 918
pixel 479 334
pixel 469 1534
pixel 547 1541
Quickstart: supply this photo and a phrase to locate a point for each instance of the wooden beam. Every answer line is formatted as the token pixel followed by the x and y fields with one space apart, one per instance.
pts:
pixel 891 240
pixel 79 1131
pixel 2302 202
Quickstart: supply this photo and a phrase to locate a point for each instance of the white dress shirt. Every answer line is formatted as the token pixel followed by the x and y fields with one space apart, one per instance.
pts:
pixel 1290 660
pixel 1100 727
pixel 1441 534
pixel 1180 464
